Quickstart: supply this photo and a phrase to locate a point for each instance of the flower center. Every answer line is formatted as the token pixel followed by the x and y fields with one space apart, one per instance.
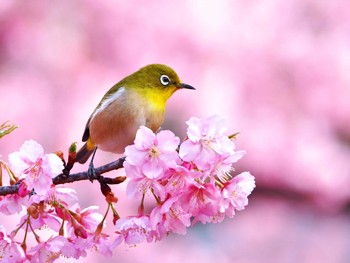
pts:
pixel 34 169
pixel 207 141
pixel 153 152
pixel 236 192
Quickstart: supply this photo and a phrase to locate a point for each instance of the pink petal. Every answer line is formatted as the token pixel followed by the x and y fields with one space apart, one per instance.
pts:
pixel 167 141
pixel 194 129
pixel 52 165
pixel 189 151
pixel 152 169
pixel 31 150
pixel 144 138
pixel 135 156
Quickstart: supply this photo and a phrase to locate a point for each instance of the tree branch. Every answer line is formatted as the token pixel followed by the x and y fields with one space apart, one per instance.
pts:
pixel 64 179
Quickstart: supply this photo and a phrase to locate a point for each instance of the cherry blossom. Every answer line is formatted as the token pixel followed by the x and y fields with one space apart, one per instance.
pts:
pixel 37 168
pixel 170 217
pixel 10 251
pixel 201 201
pixel 236 191
pixel 189 182
pixel 206 142
pixel 178 179
pixel 11 204
pixel 153 153
pixel 52 249
pixel 140 185
pixel 134 230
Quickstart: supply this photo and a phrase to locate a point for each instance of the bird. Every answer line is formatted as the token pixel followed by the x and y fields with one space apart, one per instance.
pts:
pixel 137 100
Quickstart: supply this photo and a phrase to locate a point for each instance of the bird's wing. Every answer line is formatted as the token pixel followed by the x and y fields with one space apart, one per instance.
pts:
pixel 86 134
pixel 107 99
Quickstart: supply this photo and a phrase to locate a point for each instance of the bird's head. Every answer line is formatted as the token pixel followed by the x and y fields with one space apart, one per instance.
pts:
pixel 156 82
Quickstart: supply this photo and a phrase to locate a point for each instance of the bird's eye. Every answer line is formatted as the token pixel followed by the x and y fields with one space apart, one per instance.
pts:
pixel 165 80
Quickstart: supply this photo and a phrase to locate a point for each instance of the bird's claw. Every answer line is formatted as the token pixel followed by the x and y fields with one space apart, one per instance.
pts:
pixel 91 172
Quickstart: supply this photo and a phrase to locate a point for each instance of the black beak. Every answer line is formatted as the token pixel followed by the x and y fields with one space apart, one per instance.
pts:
pixel 185 86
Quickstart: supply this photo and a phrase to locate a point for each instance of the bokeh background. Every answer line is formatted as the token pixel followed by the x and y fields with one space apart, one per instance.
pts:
pixel 278 70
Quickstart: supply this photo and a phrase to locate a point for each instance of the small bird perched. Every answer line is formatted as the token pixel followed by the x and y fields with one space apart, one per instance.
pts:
pixel 137 100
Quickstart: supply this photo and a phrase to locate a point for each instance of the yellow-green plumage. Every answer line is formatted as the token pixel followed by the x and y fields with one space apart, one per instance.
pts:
pixel 138 99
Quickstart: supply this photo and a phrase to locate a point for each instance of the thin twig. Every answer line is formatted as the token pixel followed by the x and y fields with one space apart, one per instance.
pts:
pixel 64 179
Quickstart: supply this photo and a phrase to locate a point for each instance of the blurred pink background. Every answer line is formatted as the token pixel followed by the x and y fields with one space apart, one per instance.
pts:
pixel 279 71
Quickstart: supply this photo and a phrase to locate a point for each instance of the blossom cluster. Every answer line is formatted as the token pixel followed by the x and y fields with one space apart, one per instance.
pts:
pixel 185 183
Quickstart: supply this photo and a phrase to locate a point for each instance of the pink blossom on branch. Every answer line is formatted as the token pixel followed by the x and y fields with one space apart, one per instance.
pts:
pixel 148 159
pixel 83 222
pixel 201 200
pixel 178 179
pixel 140 184
pixel 11 204
pixel 153 153
pixel 170 217
pixel 199 187
pixel 35 167
pixel 235 193
pixel 10 250
pixel 134 230
pixel 189 182
pixel 54 248
pixel 208 147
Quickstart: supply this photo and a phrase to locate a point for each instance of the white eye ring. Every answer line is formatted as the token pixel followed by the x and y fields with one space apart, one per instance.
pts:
pixel 165 80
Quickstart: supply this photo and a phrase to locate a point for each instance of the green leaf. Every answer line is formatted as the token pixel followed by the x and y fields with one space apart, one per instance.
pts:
pixel 73 147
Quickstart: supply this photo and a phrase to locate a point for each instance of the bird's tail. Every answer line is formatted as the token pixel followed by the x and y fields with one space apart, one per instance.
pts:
pixel 85 152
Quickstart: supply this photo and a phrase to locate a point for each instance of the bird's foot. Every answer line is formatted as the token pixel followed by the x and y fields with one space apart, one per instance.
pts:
pixel 92 172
